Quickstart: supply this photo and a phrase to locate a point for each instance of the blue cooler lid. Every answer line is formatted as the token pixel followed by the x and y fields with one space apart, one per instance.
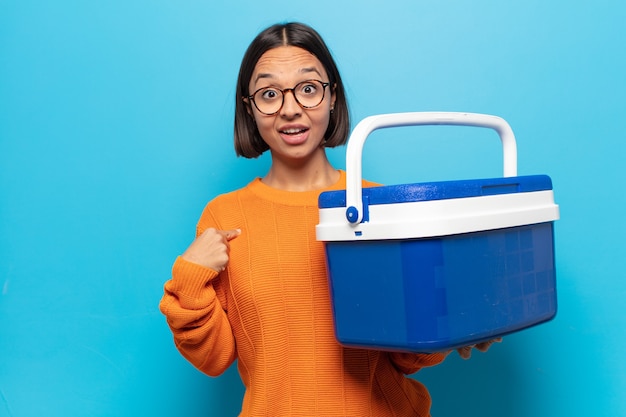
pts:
pixel 441 190
pixel 438 208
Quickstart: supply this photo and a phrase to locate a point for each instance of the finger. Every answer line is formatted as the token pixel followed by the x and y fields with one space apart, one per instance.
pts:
pixel 230 234
pixel 483 347
pixel 465 352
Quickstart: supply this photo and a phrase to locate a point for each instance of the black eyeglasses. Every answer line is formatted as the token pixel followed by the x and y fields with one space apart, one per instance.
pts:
pixel 308 94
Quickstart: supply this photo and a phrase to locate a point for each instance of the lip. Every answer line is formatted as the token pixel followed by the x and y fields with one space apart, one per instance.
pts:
pixel 294 134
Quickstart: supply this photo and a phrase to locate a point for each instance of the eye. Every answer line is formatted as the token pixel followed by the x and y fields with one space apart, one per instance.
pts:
pixel 267 94
pixel 308 88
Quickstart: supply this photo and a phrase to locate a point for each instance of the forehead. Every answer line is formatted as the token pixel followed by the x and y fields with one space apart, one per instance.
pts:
pixel 286 63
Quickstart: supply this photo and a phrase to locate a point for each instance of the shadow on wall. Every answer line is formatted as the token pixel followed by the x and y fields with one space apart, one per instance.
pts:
pixel 479 386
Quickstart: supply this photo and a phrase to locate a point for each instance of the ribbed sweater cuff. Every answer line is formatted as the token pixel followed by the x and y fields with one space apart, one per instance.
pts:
pixel 189 278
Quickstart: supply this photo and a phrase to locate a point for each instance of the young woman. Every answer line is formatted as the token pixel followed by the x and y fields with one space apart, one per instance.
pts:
pixel 253 284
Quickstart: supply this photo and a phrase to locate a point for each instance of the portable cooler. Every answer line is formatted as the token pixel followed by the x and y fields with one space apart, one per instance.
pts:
pixel 428 267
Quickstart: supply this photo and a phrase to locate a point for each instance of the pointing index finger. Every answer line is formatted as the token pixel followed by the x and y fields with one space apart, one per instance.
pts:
pixel 230 234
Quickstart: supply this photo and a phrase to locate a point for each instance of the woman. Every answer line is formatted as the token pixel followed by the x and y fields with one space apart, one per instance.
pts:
pixel 253 284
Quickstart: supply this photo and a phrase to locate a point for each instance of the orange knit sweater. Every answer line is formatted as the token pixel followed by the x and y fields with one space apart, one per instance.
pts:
pixel 271 310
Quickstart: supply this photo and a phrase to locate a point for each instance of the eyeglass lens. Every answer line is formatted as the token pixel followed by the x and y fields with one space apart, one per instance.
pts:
pixel 308 94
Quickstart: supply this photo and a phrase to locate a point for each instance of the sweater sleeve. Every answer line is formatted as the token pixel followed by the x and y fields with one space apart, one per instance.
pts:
pixel 409 363
pixel 194 312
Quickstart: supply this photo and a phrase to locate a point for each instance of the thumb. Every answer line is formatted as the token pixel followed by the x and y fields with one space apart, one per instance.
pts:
pixel 230 234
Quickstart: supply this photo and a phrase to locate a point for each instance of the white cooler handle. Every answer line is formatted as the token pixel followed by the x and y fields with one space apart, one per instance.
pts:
pixel 354 201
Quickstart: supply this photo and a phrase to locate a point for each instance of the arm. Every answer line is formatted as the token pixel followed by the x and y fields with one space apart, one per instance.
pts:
pixel 193 304
pixel 409 363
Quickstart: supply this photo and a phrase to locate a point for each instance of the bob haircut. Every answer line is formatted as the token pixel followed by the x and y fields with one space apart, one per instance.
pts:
pixel 248 141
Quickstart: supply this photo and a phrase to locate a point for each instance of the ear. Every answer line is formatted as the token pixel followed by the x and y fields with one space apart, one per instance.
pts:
pixel 246 100
pixel 333 96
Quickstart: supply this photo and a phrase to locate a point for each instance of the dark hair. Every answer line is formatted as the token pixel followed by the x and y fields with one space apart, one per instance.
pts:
pixel 248 141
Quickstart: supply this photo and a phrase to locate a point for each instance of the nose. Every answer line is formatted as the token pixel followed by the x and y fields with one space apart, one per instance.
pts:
pixel 290 105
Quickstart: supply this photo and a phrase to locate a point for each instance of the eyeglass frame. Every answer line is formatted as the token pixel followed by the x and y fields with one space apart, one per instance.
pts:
pixel 293 93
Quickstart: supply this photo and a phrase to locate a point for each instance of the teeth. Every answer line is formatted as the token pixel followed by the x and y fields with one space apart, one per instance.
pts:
pixel 292 131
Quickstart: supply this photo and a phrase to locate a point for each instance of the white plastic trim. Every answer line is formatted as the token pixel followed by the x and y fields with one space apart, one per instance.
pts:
pixel 436 218
pixel 354 203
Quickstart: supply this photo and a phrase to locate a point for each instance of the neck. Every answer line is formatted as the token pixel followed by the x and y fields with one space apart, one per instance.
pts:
pixel 313 175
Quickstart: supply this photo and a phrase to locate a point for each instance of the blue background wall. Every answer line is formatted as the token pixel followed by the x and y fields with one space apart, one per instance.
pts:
pixel 115 130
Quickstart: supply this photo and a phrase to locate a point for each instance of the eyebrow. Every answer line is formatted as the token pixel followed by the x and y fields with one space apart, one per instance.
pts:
pixel 310 69
pixel 304 70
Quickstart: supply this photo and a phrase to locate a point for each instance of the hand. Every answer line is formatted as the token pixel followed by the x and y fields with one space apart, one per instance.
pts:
pixel 466 351
pixel 211 248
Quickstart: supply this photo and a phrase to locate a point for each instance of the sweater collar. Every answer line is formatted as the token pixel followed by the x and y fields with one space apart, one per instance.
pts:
pixel 295 198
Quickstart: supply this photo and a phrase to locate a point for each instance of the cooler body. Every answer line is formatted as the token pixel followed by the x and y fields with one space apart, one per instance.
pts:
pixel 434 294
pixel 426 288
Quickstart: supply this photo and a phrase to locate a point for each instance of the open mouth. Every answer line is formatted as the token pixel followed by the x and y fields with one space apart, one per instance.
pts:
pixel 293 132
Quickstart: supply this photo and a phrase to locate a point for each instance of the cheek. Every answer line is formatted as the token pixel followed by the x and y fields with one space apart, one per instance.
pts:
pixel 264 124
pixel 322 120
